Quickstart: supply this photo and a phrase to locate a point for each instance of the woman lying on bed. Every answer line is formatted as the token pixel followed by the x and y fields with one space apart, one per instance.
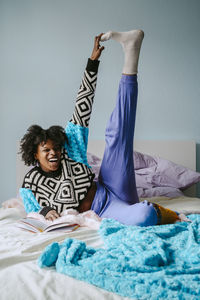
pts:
pixel 62 178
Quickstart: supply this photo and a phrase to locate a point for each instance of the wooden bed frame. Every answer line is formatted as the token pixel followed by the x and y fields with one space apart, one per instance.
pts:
pixel 180 152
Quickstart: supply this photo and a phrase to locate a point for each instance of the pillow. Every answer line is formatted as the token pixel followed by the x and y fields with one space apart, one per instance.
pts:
pixel 143 177
pixel 154 172
pixel 159 191
pixel 142 161
pixel 95 162
pixel 171 174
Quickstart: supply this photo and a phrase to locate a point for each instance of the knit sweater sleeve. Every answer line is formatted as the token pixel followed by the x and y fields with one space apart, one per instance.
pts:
pixel 85 97
pixel 77 128
pixel 29 201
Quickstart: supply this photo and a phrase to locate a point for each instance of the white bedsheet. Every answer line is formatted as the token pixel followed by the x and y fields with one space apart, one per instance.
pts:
pixel 21 278
pixel 184 205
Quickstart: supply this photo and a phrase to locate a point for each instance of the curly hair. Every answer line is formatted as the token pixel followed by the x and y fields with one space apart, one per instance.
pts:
pixel 34 136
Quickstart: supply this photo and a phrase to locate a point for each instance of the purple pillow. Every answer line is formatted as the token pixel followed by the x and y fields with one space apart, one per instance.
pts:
pixel 171 174
pixel 159 172
pixel 95 163
pixel 153 172
pixel 158 192
pixel 142 161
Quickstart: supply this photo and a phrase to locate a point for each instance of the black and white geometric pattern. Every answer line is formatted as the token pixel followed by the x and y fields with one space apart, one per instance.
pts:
pixel 85 99
pixel 66 190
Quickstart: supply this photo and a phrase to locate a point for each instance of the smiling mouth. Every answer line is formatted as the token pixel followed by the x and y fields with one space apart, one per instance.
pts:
pixel 52 160
pixel 54 163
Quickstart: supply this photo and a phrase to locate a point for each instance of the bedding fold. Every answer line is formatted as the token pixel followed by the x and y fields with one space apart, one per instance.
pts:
pixel 161 261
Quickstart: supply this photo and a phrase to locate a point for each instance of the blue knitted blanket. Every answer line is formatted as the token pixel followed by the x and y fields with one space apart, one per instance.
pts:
pixel 155 262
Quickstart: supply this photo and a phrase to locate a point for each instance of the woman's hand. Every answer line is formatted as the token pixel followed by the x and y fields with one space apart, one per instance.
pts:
pixel 96 52
pixel 52 215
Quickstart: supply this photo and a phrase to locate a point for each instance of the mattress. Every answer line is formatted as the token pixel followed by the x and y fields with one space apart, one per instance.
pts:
pixel 20 276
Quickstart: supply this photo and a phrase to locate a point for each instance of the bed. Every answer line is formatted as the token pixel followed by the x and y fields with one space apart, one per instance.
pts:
pixel 22 278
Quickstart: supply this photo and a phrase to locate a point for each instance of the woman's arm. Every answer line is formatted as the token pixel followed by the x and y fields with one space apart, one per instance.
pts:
pixel 84 101
pixel 29 201
pixel 77 128
pixel 31 205
pixel 97 49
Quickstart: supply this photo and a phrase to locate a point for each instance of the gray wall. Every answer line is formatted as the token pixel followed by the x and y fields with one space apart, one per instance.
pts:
pixel 44 47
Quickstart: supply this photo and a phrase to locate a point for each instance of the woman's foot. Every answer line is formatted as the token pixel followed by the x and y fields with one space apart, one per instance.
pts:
pixel 131 42
pixel 133 37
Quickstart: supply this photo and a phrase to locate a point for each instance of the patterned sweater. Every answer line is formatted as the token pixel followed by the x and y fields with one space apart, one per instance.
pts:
pixel 67 186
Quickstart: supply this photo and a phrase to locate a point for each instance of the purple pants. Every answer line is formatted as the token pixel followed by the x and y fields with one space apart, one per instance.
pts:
pixel 116 196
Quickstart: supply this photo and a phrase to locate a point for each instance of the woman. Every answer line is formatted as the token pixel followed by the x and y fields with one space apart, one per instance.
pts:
pixel 62 178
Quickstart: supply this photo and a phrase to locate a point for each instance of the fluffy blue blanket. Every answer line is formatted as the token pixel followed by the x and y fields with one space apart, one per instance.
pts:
pixel 155 262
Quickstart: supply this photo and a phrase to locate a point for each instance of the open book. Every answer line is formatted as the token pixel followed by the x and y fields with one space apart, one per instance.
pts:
pixel 35 226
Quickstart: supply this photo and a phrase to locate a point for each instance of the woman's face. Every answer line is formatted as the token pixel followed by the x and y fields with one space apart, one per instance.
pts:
pixel 48 155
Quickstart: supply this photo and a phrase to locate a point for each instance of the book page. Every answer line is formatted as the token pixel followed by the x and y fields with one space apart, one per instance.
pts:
pixel 62 227
pixel 27 227
pixel 33 223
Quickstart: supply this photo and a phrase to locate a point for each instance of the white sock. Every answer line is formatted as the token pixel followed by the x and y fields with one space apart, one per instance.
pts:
pixel 131 42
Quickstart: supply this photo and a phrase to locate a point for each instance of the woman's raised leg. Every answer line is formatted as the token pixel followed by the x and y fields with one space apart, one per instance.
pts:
pixel 117 169
pixel 116 196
